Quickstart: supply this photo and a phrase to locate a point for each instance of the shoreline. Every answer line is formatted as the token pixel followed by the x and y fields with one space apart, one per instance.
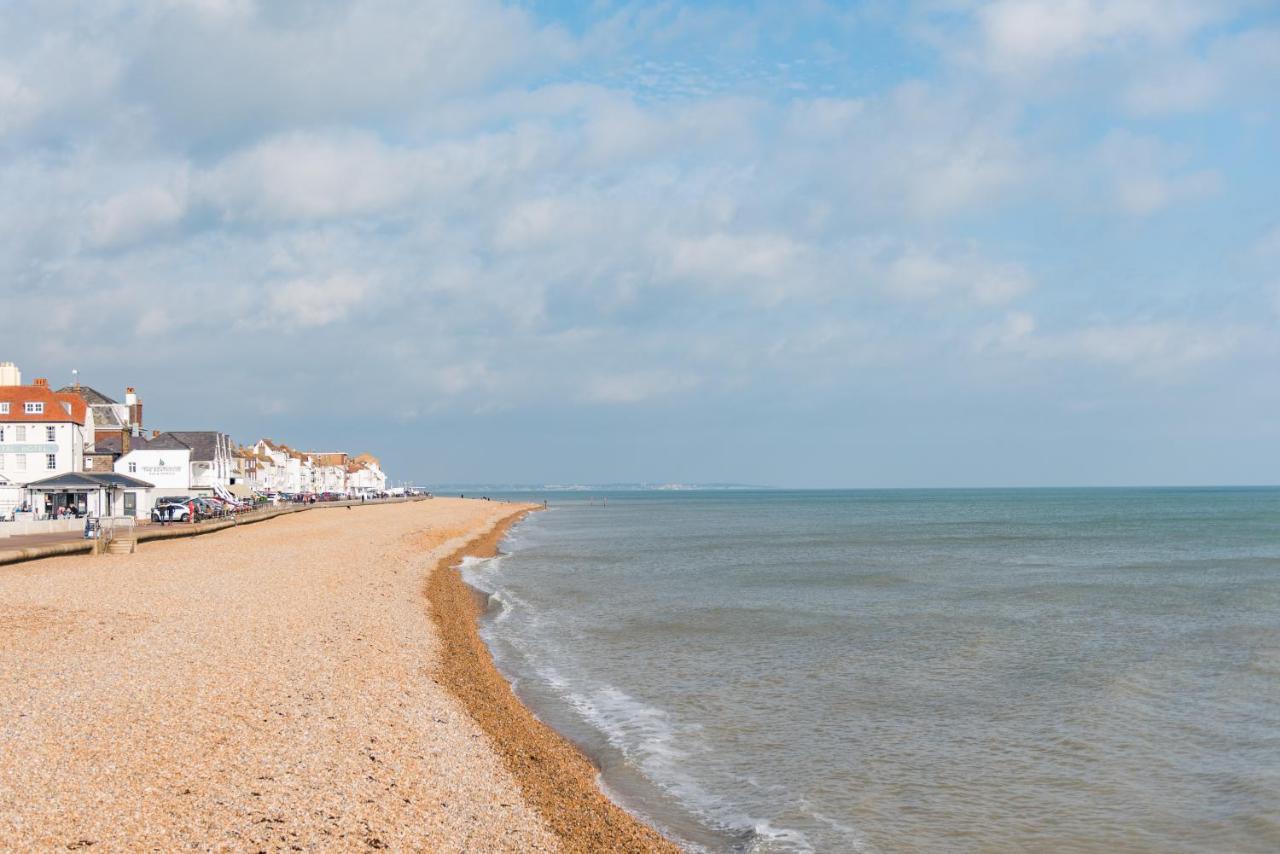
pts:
pixel 556 778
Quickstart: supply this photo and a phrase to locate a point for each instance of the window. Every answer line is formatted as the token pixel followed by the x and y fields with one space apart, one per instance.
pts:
pixel 88 463
pixel 51 434
pixel 133 467
pixel 21 462
pixel 33 407
pixel 20 433
pixel 2 462
pixel 4 407
pixel 1 434
pixel 51 461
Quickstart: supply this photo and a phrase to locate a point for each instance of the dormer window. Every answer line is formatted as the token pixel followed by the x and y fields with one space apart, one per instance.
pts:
pixel 33 407
pixel 4 407
pixel 66 406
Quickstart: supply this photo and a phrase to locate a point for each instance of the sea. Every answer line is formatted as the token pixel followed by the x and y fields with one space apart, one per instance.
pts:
pixel 909 670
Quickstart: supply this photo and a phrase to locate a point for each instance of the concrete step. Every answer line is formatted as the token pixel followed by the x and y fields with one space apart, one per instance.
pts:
pixel 122 547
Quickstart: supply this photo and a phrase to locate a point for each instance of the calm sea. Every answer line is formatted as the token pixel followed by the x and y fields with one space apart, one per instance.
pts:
pixel 987 670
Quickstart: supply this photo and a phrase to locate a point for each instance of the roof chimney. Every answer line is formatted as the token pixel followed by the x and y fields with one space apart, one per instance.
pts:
pixel 40 382
pixel 134 403
pixel 155 433
pixel 9 374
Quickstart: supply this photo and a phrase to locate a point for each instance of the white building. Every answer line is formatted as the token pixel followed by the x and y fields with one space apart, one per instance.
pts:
pixel 279 471
pixel 42 434
pixel 365 475
pixel 330 472
pixel 285 469
pixel 208 463
pixel 167 469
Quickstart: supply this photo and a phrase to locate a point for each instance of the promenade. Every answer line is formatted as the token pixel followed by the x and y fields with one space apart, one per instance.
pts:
pixel 31 541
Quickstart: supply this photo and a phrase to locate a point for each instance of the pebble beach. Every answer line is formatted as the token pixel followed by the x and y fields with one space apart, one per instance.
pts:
pixel 313 682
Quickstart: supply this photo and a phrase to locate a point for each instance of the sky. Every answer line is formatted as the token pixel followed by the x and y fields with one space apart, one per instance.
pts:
pixel 812 244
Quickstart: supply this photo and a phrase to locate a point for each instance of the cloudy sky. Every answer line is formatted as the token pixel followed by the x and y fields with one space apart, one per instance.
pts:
pixel 796 243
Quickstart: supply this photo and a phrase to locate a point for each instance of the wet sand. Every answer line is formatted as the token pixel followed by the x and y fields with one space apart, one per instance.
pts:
pixel 555 777
pixel 273 687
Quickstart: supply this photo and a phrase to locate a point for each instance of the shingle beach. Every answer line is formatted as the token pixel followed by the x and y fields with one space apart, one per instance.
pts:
pixel 280 686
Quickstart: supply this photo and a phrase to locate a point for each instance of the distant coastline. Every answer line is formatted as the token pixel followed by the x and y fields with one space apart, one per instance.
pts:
pixel 446 488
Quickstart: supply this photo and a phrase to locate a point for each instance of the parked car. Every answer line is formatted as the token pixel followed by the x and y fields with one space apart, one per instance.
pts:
pixel 209 508
pixel 171 510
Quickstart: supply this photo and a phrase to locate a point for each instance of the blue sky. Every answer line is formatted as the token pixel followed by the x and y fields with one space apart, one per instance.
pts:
pixel 1015 242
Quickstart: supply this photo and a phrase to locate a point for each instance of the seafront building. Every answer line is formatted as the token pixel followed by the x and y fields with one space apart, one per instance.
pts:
pixel 46 436
pixel 77 450
pixel 275 466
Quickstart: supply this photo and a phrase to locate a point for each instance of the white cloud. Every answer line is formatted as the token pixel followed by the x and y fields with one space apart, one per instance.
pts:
pixel 154 322
pixel 1010 333
pixel 136 213
pixel 18 102
pixel 914 273
pixel 546 222
pixel 1164 350
pixel 1234 67
pixel 730 257
pixel 1154 348
pixel 1182 85
pixel 920 151
pixel 917 274
pixel 205 76
pixel 315 302
pixel 1145 176
pixel 637 386
pixel 236 10
pixel 311 176
pixel 1021 36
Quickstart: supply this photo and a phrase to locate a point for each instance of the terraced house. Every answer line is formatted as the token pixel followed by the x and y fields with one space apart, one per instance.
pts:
pixel 78 449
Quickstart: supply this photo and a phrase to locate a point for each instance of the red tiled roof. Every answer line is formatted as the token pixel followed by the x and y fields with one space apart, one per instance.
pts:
pixel 54 411
pixel 329 459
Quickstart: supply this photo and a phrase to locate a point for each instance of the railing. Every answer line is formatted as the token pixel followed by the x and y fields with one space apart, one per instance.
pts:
pixel 117 527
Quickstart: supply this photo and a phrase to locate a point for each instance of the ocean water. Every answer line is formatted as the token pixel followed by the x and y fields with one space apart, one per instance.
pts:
pixel 987 670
